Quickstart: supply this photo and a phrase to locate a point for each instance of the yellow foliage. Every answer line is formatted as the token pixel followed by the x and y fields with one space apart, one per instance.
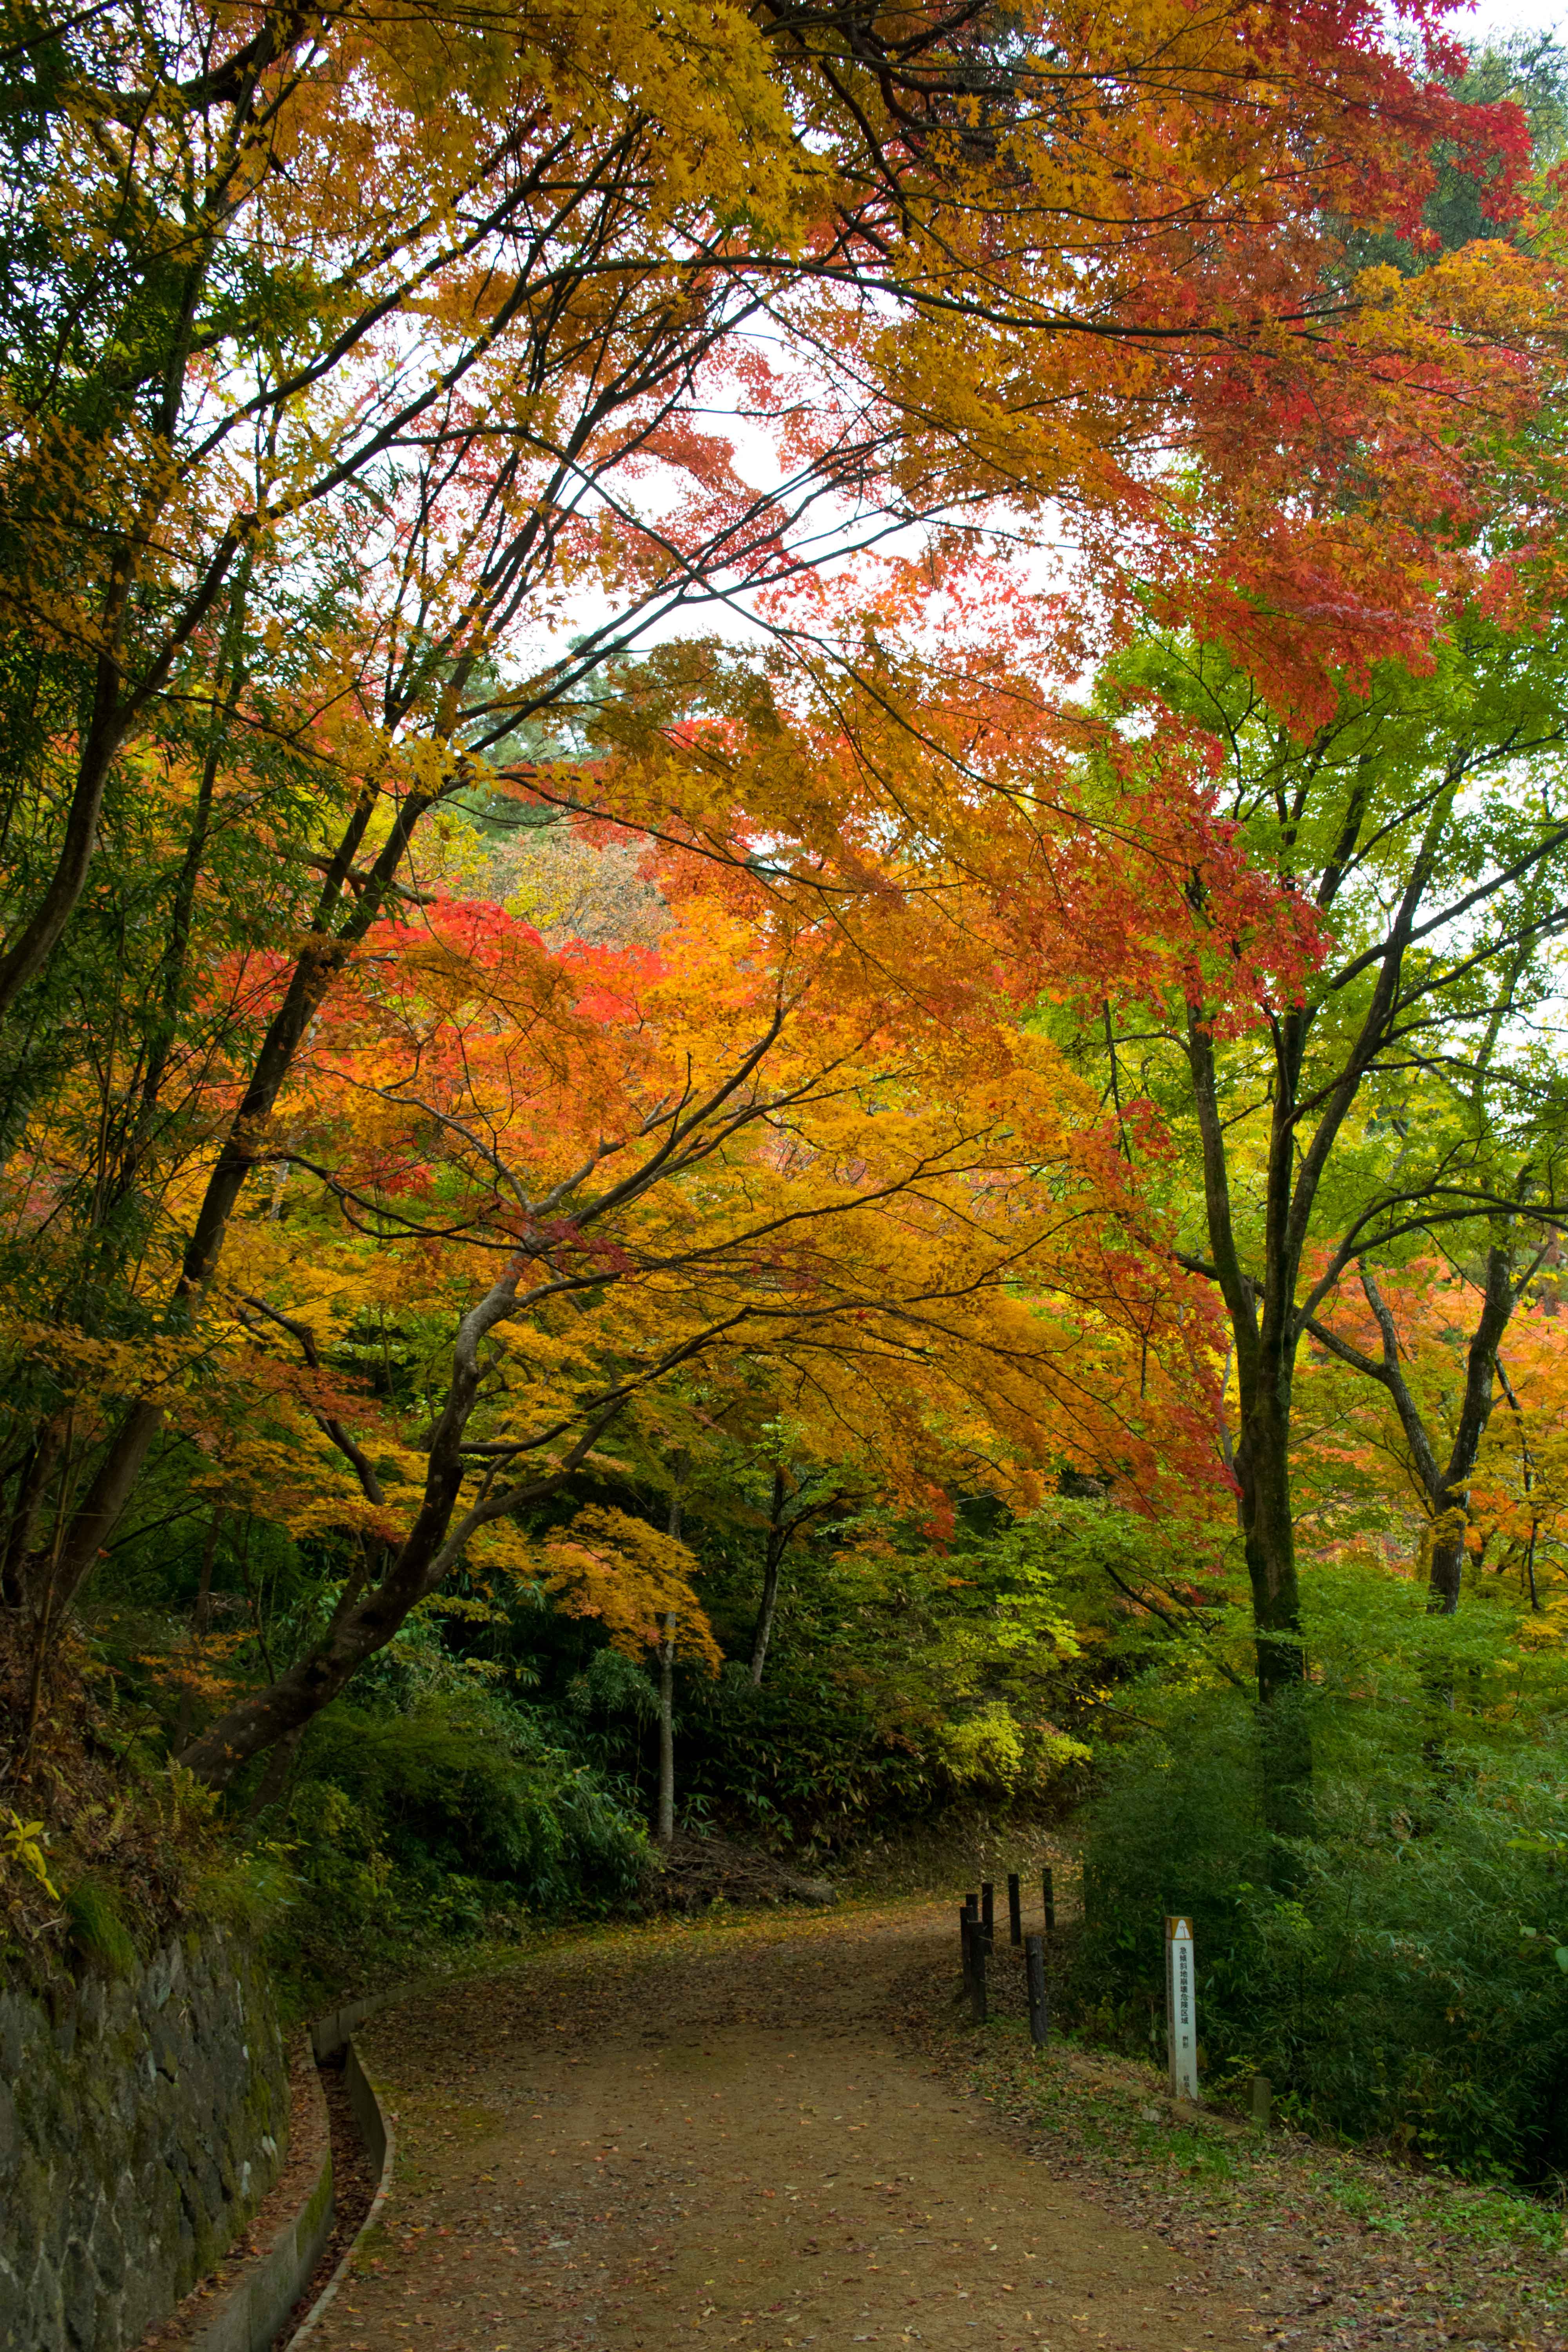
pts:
pixel 635 1581
pixel 24 1844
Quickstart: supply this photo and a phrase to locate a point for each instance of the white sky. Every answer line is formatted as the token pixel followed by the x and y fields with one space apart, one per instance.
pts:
pixel 757 458
pixel 1511 16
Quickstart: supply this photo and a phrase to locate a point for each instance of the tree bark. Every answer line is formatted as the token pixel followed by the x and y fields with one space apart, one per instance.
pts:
pixel 778 1539
pixel 26 954
pixel 1451 1515
pixel 37 1468
pixel 1263 1469
pixel 201 1621
pixel 1444 1484
pixel 665 1828
pixel 275 1778
pixel 1264 1340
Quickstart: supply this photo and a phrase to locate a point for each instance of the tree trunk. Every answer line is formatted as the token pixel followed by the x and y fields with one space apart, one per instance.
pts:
pixel 1263 1467
pixel 1452 1503
pixel 201 1621
pixel 1447 1574
pixel 763 1633
pixel 37 1468
pixel 778 1538
pixel 1260 1306
pixel 275 1778
pixel 665 1831
pixel 26 954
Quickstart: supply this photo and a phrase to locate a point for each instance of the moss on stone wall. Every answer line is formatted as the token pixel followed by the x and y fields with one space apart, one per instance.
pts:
pixel 143 2119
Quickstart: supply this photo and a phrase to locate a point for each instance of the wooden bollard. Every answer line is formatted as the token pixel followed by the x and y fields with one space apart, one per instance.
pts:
pixel 988 1911
pixel 1048 1889
pixel 964 1942
pixel 1014 1909
pixel 977 1971
pixel 1039 2012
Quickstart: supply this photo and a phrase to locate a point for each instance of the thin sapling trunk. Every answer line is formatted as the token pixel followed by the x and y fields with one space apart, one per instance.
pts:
pixel 665 1831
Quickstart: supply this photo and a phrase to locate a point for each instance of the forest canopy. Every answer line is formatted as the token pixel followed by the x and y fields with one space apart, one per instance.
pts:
pixel 785 849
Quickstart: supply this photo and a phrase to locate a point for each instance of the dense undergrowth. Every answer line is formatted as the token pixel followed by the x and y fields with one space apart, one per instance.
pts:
pixel 1400 1973
pixel 106 1846
pixel 494 1769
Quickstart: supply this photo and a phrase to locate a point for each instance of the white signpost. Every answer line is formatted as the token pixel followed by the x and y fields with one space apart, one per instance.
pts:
pixel 1181 2009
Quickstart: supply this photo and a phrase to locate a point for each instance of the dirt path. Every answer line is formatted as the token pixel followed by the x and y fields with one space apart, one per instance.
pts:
pixel 720 2136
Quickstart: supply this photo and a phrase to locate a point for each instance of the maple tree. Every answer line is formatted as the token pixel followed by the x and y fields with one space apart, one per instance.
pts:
pixel 1391 1091
pixel 351 361
pixel 1453 1460
pixel 608 1189
pixel 309 344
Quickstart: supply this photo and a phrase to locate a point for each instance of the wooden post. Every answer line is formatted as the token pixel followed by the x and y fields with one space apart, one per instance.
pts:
pixel 977 1971
pixel 1014 1909
pixel 1039 2012
pixel 1048 1889
pixel 988 1911
pixel 964 1942
pixel 1181 2009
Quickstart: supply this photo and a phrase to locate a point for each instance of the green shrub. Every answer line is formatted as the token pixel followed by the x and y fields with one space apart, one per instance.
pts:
pixel 431 1818
pixel 1405 1980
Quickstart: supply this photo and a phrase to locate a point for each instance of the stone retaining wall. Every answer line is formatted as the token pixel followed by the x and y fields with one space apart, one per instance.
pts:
pixel 142 2122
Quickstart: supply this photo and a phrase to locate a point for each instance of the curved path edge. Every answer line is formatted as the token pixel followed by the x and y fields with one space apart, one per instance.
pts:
pixel 375 2130
pixel 251 2315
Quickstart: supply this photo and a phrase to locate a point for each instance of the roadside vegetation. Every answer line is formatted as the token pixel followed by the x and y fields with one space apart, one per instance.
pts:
pixel 935 1210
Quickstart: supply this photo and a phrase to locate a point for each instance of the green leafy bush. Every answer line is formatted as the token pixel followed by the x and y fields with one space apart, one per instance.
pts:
pixel 426 1820
pixel 1402 1974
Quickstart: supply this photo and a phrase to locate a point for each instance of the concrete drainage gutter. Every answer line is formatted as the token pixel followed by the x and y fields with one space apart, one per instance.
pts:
pixel 256 2307
pixel 380 2145
pixel 249 2317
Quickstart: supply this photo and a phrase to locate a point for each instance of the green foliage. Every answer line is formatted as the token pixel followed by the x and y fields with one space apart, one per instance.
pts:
pixel 97 1929
pixel 902 1677
pixel 1399 1980
pixel 805 1754
pixel 24 1844
pixel 410 1824
pixel 252 1890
